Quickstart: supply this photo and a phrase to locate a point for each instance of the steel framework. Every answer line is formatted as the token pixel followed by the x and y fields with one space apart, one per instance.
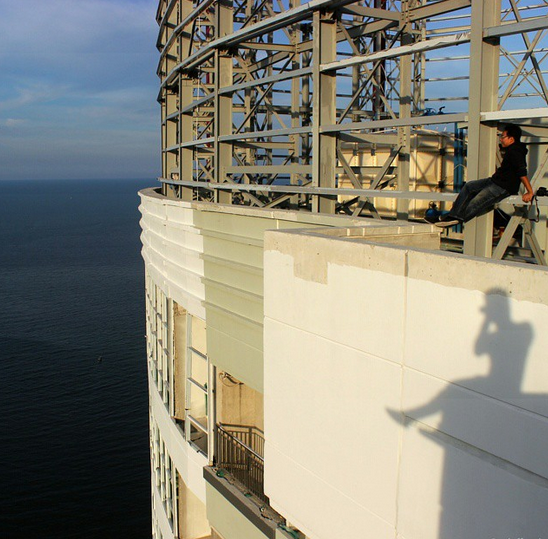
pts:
pixel 319 106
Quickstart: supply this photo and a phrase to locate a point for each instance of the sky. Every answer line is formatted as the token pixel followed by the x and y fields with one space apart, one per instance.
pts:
pixel 78 89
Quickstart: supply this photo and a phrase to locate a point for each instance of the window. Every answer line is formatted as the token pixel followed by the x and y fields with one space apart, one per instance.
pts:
pixel 197 376
pixel 164 473
pixel 159 341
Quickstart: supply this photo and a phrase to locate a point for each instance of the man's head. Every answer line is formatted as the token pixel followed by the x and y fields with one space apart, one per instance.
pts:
pixel 510 134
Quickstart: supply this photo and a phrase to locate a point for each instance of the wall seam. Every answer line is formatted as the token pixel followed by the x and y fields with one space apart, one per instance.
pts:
pixel 402 367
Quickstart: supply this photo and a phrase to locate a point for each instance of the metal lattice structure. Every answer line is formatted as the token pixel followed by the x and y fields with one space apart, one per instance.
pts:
pixel 319 106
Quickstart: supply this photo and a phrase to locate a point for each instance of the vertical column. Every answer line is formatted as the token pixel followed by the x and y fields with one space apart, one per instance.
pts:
pixel 269 98
pixel 306 111
pixel 483 97
pixel 211 411
pixel 171 137
pixel 171 96
pixel 404 133
pixel 324 109
pixel 249 100
pixel 296 117
pixel 186 133
pixel 419 70
pixel 223 104
pixel 186 97
pixel 163 138
pixel 162 102
pixel 379 44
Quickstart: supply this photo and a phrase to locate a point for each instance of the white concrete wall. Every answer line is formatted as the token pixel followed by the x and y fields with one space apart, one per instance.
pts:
pixel 172 250
pixel 187 460
pixel 406 392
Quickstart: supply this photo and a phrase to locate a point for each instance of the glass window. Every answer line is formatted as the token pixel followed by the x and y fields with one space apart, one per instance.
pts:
pixel 198 335
pixel 197 369
pixel 159 346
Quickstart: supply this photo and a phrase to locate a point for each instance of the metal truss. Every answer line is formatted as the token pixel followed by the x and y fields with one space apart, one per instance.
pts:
pixel 314 106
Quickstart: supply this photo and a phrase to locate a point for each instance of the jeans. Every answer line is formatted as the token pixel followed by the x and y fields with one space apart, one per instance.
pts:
pixel 476 198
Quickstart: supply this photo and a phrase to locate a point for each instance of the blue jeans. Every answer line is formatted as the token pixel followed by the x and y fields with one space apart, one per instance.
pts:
pixel 476 198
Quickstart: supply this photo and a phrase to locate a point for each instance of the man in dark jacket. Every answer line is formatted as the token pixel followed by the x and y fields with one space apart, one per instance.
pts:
pixel 480 196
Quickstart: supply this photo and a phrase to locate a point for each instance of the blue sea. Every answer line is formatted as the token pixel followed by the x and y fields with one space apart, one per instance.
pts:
pixel 73 391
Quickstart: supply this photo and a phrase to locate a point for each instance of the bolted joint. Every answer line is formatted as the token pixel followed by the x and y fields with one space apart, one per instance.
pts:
pixel 402 138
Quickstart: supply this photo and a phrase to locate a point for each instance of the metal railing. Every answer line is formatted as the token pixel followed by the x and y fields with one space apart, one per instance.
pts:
pixel 240 451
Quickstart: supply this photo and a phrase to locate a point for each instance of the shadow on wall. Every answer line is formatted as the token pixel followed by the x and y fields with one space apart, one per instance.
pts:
pixel 485 492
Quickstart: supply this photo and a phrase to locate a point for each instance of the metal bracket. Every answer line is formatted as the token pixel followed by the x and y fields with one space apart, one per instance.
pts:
pixel 520 218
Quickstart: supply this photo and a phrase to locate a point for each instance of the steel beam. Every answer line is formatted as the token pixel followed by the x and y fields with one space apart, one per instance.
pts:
pixel 397 52
pixel 223 103
pixel 482 138
pixel 375 193
pixel 399 122
pixel 529 25
pixel 324 109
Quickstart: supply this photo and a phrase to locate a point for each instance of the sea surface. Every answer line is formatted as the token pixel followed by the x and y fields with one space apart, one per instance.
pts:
pixel 73 393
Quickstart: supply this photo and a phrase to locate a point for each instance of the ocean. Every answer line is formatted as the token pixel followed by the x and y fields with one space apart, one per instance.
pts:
pixel 73 390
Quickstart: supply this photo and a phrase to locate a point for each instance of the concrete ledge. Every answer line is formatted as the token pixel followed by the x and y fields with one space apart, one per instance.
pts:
pixel 238 501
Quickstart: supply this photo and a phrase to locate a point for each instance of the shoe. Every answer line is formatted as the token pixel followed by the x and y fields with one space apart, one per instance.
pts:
pixel 447 220
pixel 431 219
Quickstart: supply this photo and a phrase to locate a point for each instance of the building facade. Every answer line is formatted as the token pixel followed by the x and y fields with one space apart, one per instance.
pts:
pixel 320 365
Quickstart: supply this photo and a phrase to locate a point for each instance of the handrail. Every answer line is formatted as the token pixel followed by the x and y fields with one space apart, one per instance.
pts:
pixel 316 191
pixel 240 452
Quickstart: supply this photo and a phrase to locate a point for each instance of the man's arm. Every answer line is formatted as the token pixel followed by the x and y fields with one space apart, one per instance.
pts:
pixel 528 196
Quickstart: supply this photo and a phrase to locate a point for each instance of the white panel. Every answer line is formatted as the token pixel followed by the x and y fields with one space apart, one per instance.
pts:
pixel 441 328
pixel 474 358
pixel 469 317
pixel 535 376
pixel 172 250
pixel 490 343
pixel 326 410
pixel 448 491
pixel 358 307
pixel 178 212
pixel 315 507
pixel 489 424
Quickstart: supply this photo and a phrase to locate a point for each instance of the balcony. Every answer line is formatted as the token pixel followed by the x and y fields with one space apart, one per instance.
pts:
pixel 240 452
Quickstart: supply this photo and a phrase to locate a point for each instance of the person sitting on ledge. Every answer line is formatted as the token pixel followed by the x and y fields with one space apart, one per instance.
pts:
pixel 480 196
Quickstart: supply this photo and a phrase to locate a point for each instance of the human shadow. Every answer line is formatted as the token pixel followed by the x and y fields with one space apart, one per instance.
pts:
pixel 493 482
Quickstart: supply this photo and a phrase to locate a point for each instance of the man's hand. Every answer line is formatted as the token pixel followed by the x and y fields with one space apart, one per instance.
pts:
pixel 527 197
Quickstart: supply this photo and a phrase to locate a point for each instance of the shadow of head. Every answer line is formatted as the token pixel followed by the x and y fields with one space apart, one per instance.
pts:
pixel 502 339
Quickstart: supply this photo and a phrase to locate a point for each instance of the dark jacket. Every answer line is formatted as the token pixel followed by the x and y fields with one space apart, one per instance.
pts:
pixel 512 168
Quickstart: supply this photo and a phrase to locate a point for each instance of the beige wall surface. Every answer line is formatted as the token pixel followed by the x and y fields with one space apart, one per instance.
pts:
pixel 233 280
pixel 406 391
pixel 192 518
pixel 227 520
